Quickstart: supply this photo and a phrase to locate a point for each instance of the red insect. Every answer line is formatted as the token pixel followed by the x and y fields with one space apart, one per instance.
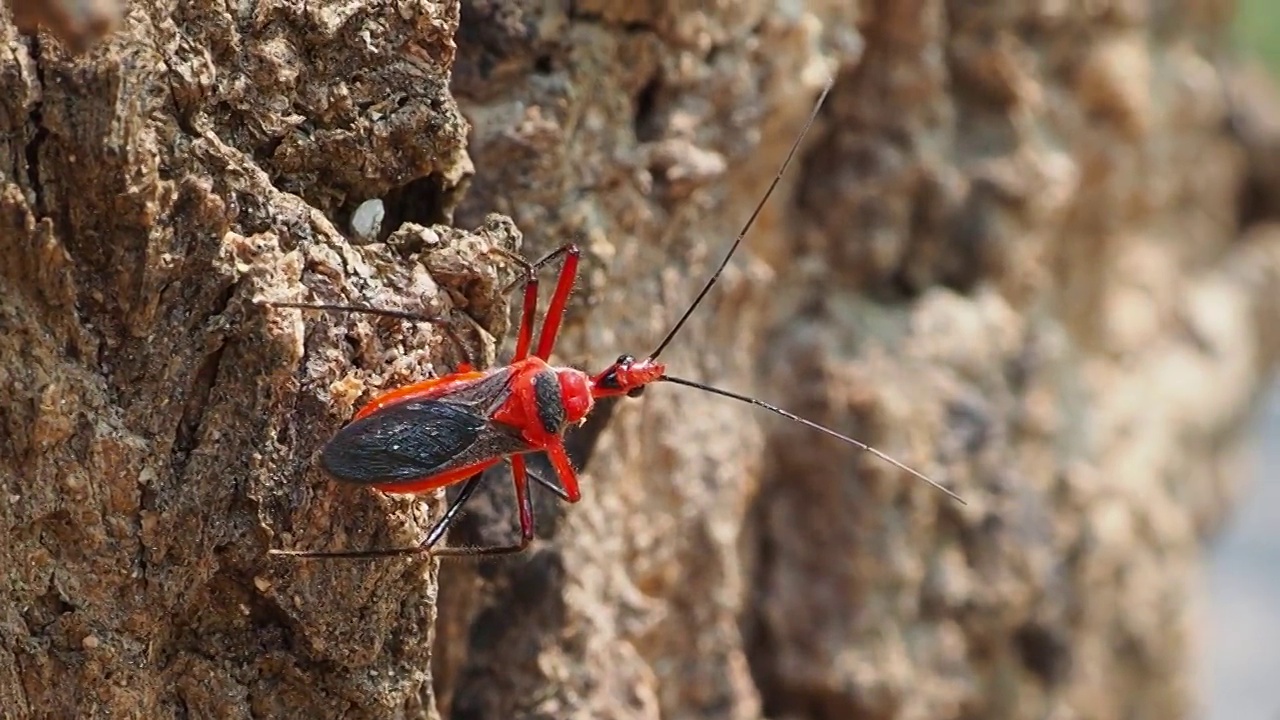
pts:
pixel 448 430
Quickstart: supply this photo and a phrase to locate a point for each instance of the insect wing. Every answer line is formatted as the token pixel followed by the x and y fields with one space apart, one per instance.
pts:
pixel 415 439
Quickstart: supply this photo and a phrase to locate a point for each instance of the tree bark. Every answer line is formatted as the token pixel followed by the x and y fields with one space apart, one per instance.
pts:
pixel 1025 249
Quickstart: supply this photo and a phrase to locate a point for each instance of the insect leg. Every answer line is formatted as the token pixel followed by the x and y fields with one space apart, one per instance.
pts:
pixel 564 468
pixel 519 476
pixel 450 514
pixel 436 532
pixel 555 313
pixel 439 322
pixel 525 335
pixel 532 268
pixel 550 485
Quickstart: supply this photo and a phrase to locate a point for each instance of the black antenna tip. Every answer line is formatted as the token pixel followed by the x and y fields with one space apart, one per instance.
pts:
pixel 820 428
pixel 706 288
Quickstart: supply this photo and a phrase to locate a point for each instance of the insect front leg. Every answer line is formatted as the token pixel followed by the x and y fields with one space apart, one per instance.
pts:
pixel 550 485
pixel 564 468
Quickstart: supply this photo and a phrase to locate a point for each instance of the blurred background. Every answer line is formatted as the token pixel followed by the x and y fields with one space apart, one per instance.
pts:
pixel 1243 663
pixel 1242 667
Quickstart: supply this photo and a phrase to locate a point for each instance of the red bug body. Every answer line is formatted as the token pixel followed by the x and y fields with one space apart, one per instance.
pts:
pixel 433 433
pixel 448 430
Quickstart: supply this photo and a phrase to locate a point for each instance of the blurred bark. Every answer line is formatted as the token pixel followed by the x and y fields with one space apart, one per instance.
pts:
pixel 78 23
pixel 1026 250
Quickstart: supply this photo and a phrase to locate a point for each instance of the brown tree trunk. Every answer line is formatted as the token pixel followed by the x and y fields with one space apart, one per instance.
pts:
pixel 1024 250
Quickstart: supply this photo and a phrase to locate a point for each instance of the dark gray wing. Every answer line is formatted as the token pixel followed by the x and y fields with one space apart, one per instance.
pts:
pixel 414 439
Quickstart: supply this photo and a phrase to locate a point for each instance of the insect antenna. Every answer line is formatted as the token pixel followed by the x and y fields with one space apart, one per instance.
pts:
pixel 809 423
pixel 795 147
pixel 706 288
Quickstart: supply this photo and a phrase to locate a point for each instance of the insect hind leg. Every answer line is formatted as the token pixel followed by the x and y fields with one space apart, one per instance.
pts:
pixel 441 527
pixel 427 546
pixel 468 361
pixel 520 478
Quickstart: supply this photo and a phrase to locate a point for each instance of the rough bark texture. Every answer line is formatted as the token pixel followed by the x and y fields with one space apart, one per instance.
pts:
pixel 1025 250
